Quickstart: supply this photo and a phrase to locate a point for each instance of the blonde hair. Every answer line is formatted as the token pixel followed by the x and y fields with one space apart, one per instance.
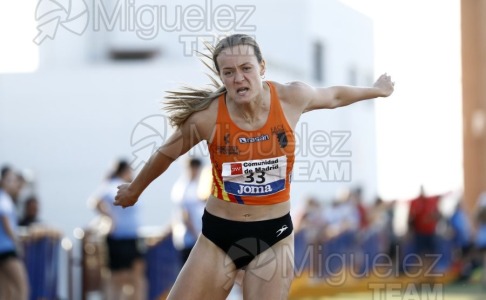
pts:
pixel 180 105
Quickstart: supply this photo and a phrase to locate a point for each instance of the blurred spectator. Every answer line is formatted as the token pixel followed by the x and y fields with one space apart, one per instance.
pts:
pixel 190 202
pixel 462 234
pixel 462 240
pixel 480 239
pixel 342 217
pixel 310 222
pixel 30 212
pixel 310 217
pixel 125 253
pixel 392 240
pixel 364 238
pixel 356 197
pixel 13 275
pixel 422 220
pixel 377 231
pixel 341 221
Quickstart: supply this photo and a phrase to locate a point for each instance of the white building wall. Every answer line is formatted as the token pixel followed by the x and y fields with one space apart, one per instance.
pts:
pixel 69 120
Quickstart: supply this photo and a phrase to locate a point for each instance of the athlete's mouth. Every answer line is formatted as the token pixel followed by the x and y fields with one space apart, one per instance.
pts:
pixel 242 91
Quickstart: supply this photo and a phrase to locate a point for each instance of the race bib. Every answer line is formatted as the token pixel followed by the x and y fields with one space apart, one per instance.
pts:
pixel 255 177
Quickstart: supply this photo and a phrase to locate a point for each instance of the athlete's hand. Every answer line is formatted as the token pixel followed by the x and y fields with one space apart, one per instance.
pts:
pixel 125 197
pixel 385 85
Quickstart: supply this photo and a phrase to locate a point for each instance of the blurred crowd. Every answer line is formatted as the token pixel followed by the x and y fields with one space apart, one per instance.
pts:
pixel 432 232
pixel 19 226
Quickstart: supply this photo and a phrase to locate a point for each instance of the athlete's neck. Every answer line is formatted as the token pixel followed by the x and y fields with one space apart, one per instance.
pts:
pixel 253 111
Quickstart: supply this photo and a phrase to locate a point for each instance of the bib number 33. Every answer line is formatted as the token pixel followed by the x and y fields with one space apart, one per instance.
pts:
pixel 260 177
pixel 255 177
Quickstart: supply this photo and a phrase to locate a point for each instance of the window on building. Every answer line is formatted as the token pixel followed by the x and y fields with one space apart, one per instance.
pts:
pixel 124 54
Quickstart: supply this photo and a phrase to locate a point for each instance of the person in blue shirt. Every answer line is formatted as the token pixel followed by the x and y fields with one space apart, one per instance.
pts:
pixel 13 275
pixel 480 237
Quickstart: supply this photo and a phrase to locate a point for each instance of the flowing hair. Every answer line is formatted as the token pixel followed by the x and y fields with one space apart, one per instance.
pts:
pixel 180 105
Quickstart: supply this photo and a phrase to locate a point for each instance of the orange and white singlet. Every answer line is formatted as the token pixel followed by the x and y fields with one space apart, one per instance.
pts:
pixel 252 167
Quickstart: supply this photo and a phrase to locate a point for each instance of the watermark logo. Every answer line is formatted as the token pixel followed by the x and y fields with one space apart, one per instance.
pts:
pixel 380 274
pixel 50 14
pixel 145 20
pixel 336 268
pixel 147 135
pixel 411 290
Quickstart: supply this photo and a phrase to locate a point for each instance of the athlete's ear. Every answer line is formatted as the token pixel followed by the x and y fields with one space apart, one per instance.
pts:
pixel 262 68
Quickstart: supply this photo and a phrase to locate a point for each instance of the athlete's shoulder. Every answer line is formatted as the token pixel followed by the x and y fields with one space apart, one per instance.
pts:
pixel 294 97
pixel 292 91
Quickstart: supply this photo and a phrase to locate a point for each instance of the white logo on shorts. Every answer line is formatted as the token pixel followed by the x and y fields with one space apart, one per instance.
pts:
pixel 281 230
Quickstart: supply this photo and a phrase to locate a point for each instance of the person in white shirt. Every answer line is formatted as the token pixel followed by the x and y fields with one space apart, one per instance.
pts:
pixel 125 250
pixel 187 222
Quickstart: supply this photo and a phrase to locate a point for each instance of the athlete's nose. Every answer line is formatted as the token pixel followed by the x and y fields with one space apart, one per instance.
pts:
pixel 239 76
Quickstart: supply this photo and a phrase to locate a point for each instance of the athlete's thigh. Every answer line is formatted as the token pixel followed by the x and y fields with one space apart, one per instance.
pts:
pixel 270 274
pixel 207 274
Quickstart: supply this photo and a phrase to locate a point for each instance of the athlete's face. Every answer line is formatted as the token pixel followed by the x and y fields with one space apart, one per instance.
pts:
pixel 241 73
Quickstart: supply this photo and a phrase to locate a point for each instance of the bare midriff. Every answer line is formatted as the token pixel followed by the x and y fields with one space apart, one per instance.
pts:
pixel 240 212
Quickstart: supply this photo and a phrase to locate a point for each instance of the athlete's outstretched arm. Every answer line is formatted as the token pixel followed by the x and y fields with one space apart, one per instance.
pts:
pixel 338 96
pixel 179 143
